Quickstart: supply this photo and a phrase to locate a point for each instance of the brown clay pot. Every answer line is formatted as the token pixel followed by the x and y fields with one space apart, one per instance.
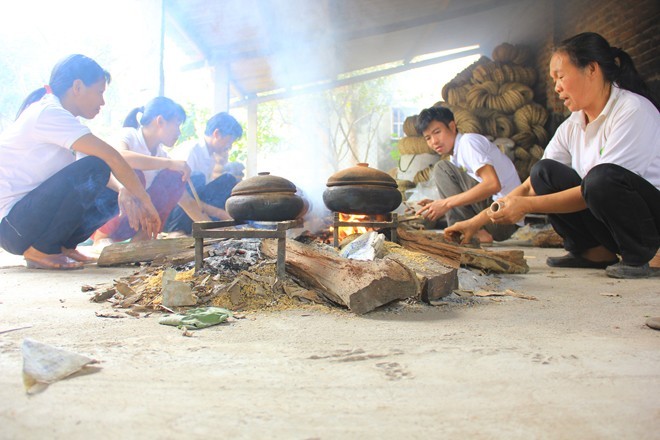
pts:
pixel 265 198
pixel 361 190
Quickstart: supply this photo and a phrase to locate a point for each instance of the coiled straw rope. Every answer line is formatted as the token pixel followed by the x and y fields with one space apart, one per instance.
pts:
pixel 506 98
pixel 413 145
pixel 409 126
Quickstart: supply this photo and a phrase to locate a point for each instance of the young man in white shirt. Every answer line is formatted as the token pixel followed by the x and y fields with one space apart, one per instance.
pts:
pixel 220 133
pixel 476 174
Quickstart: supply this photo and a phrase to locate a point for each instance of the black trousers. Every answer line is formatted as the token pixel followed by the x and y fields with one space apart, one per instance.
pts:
pixel 61 212
pixel 623 210
pixel 215 193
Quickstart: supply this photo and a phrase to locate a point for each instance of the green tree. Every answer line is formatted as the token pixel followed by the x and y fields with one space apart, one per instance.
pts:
pixel 269 118
pixel 195 123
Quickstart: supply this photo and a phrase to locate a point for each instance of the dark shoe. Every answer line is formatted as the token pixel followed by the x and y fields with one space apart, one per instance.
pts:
pixel 623 270
pixel 572 260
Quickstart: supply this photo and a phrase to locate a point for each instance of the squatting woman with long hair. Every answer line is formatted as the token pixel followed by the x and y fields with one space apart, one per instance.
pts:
pixel 49 202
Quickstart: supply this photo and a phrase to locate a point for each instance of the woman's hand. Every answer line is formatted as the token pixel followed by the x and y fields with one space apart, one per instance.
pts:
pixel 433 210
pixel 141 214
pixel 511 210
pixel 182 167
pixel 462 231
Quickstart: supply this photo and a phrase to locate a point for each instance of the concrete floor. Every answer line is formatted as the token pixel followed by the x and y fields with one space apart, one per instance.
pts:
pixel 578 363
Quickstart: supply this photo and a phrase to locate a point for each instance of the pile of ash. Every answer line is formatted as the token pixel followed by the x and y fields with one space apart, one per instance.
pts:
pixel 229 257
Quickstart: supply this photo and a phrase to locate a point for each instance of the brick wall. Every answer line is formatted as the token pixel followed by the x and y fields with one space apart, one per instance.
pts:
pixel 634 26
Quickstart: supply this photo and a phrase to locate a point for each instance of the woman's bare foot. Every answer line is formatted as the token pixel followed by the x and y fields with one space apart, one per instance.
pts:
pixel 598 254
pixel 484 236
pixel 100 244
pixel 35 259
pixel 141 235
pixel 74 254
pixel 101 240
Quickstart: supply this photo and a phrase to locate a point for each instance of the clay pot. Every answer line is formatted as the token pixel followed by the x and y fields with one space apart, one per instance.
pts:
pixel 361 190
pixel 265 198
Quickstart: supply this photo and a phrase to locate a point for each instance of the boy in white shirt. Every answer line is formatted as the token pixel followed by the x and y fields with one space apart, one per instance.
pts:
pixel 476 174
pixel 220 133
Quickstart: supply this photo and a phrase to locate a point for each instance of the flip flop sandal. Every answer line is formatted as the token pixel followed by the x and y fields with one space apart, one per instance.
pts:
pixel 88 260
pixel 31 264
pixel 76 255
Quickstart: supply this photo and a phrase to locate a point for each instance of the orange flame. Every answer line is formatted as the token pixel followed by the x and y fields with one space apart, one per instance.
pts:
pixel 345 231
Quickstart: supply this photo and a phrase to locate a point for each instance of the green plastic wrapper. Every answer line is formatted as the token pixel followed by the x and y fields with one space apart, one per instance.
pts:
pixel 200 317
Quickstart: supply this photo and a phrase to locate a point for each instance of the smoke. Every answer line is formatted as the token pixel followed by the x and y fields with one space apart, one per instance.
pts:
pixel 302 54
pixel 304 157
pixel 305 43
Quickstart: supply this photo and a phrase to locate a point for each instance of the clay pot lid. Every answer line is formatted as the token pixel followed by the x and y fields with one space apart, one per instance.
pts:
pixel 361 174
pixel 263 183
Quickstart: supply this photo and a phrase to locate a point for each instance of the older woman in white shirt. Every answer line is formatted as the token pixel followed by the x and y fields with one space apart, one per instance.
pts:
pixel 599 179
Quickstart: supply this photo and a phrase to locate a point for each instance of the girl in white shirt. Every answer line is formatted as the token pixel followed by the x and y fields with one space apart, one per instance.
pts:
pixel 141 144
pixel 599 180
pixel 49 201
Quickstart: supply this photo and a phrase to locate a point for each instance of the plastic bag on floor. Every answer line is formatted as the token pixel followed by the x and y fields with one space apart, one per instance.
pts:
pixel 44 364
pixel 201 317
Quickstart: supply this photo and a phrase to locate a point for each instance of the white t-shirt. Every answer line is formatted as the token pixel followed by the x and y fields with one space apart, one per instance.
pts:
pixel 134 138
pixel 36 146
pixel 473 151
pixel 626 133
pixel 197 155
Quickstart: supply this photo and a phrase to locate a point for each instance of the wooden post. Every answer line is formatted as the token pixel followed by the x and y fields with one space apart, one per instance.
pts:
pixel 199 253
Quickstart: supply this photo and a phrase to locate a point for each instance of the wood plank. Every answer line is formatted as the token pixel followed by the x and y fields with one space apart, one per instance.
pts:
pixel 512 261
pixel 126 253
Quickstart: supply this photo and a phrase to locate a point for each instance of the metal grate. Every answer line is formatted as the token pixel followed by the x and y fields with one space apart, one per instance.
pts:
pixel 227 229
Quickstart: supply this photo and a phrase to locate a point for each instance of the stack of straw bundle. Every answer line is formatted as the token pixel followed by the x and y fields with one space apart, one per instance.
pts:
pixel 494 97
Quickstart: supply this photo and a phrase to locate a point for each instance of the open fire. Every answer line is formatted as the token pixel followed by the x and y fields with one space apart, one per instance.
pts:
pixel 346 231
pixel 345 225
